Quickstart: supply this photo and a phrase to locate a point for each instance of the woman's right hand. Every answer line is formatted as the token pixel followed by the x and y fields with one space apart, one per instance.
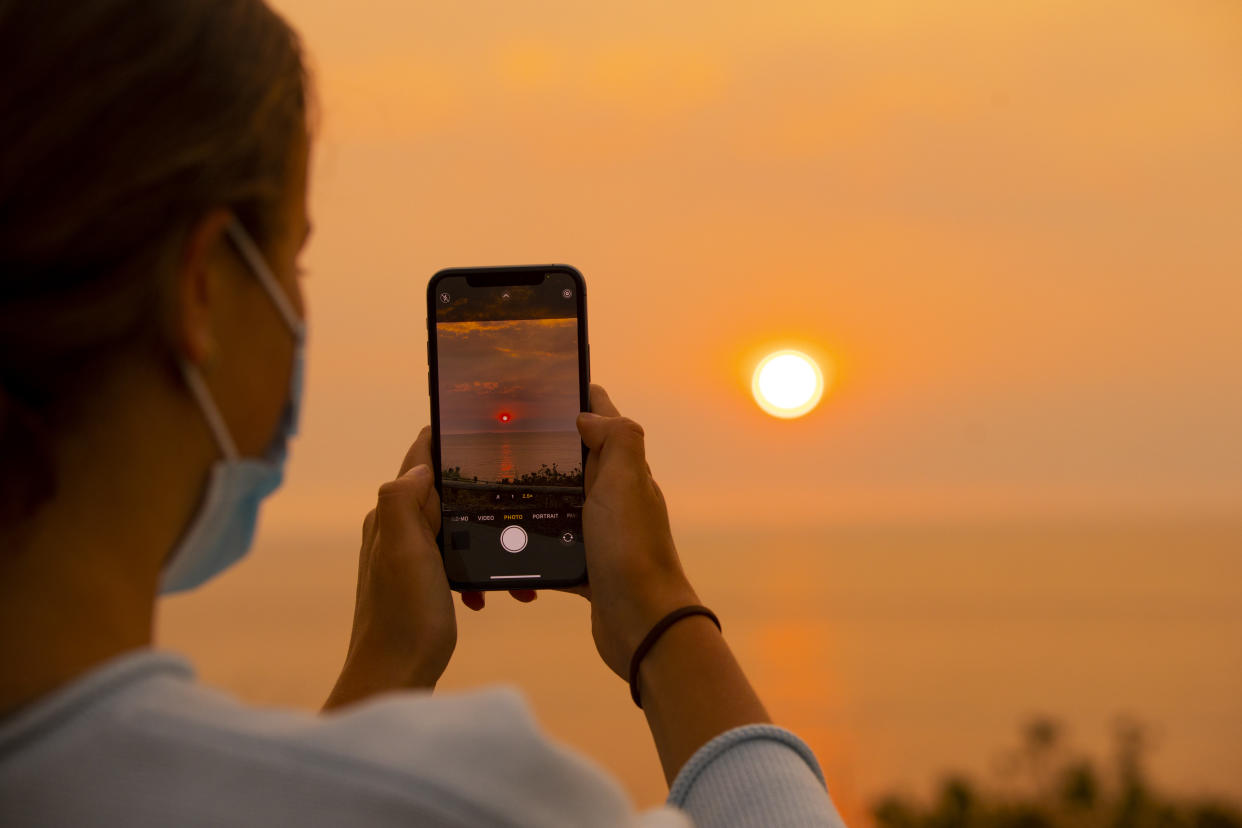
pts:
pixel 635 576
pixel 693 687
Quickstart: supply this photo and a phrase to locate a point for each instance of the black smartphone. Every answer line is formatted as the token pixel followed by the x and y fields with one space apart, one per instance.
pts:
pixel 509 371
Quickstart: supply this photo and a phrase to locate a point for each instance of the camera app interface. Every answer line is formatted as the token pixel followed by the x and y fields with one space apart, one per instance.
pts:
pixel 511 459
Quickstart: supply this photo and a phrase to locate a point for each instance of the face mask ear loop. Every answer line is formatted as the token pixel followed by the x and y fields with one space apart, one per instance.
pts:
pixel 250 252
pixel 211 413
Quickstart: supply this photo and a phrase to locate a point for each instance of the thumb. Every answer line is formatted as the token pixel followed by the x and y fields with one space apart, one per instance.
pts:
pixel 624 437
pixel 399 509
pixel 592 428
pixel 419 478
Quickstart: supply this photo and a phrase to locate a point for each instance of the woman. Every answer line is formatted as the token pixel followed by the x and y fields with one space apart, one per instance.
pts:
pixel 152 209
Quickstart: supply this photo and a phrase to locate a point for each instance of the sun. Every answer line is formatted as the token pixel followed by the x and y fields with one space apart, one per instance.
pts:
pixel 788 384
pixel 505 417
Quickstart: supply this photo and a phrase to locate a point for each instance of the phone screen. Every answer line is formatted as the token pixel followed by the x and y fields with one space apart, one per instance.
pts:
pixel 509 375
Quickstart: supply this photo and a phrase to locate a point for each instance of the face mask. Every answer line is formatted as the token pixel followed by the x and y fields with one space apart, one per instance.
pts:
pixel 221 531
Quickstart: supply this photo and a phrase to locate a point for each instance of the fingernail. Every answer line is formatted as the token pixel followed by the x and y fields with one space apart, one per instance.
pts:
pixel 420 472
pixel 590 416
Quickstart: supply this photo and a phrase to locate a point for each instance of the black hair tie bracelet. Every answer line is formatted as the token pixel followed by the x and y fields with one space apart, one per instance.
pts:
pixel 658 630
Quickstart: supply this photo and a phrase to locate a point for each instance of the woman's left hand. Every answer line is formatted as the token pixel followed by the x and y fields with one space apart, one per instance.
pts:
pixel 404 627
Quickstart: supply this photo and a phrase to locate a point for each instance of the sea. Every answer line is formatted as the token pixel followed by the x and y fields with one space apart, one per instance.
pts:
pixel 900 653
pixel 494 456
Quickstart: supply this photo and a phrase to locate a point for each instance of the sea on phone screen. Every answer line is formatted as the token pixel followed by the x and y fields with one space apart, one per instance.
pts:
pixel 494 457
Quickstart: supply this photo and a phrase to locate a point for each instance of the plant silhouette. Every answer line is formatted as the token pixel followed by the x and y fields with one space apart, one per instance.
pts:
pixel 1044 783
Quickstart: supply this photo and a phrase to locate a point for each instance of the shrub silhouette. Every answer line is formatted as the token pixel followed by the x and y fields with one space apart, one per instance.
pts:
pixel 551 476
pixel 1045 784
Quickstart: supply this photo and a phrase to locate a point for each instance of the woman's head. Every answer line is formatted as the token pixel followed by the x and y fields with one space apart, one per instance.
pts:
pixel 128 130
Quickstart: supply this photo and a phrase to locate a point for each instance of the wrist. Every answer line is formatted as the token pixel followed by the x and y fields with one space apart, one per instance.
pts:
pixel 693 689
pixel 368 673
pixel 697 632
pixel 655 608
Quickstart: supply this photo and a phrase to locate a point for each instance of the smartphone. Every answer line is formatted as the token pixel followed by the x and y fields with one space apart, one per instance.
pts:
pixel 508 373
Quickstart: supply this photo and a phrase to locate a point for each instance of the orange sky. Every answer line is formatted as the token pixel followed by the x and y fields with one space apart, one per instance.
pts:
pixel 525 368
pixel 1015 230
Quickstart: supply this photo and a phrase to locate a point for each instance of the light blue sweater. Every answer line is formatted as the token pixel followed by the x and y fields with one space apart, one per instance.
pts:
pixel 138 742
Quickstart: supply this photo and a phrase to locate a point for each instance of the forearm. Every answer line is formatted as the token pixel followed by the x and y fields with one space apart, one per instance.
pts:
pixel 693 689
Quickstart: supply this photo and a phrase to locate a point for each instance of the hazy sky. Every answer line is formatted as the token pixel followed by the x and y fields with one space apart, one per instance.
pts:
pixel 527 368
pixel 1013 228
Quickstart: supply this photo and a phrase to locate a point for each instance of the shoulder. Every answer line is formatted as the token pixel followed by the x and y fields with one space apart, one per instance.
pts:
pixel 479 752
pixel 179 748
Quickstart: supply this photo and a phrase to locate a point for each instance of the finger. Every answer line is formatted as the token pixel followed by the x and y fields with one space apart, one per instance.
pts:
pixel 420 455
pixel 473 599
pixel 659 492
pixel 524 595
pixel 399 515
pixel 368 528
pixel 601 403
pixel 368 537
pixel 364 555
pixel 618 437
pixel 419 451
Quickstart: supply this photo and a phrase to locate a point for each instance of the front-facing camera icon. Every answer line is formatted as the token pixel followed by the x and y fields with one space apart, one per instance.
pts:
pixel 444 298
pixel 566 293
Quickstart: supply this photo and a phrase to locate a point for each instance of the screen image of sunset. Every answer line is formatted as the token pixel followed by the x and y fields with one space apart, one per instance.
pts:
pixel 508 401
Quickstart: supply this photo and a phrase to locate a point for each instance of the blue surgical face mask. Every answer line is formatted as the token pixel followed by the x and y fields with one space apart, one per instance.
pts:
pixel 221 531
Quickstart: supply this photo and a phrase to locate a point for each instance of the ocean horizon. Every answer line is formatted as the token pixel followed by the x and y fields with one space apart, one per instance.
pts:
pixel 492 456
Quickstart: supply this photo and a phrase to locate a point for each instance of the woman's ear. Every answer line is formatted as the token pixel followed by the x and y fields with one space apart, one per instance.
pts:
pixel 196 287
